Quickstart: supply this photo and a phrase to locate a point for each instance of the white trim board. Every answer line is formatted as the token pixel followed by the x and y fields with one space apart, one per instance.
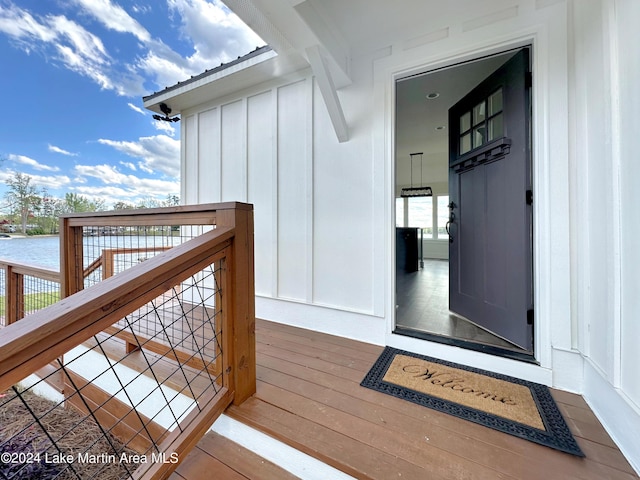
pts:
pixel 618 416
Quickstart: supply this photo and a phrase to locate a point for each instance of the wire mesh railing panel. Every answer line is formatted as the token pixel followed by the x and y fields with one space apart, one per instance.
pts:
pixel 126 390
pixel 38 294
pixel 25 289
pixel 109 250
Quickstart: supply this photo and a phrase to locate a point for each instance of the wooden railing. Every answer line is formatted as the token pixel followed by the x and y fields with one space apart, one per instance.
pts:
pixel 27 289
pixel 82 313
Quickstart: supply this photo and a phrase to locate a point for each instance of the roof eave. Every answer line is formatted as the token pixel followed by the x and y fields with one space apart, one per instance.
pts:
pixel 224 80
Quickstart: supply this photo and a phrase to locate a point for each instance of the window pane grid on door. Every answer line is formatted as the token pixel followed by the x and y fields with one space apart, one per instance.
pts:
pixel 482 124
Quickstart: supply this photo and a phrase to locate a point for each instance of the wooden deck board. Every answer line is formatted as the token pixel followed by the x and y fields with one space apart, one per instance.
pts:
pixel 309 397
pixel 220 458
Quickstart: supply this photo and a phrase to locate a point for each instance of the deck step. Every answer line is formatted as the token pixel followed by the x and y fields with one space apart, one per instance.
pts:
pixel 130 427
pixel 216 456
pixel 52 375
pixel 163 369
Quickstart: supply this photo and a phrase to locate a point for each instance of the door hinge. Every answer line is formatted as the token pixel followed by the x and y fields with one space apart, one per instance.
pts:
pixel 529 197
pixel 530 316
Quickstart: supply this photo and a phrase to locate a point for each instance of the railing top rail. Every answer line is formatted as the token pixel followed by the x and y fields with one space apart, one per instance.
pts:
pixel 31 270
pixel 46 334
pixel 178 215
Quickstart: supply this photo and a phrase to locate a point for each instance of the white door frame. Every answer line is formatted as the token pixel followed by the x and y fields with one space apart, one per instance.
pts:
pixel 550 181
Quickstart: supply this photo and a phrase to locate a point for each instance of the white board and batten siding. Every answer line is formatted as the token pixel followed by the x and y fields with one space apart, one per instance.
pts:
pixel 312 196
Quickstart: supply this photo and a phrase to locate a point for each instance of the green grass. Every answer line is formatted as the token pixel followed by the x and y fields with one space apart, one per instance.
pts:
pixel 33 301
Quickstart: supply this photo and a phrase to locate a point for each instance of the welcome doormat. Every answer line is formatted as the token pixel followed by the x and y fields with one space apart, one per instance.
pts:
pixel 510 405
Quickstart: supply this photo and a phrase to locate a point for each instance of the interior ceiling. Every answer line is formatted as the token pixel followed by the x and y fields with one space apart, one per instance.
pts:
pixel 418 117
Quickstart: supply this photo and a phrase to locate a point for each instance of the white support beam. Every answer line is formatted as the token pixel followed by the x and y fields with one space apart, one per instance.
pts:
pixel 334 46
pixel 328 91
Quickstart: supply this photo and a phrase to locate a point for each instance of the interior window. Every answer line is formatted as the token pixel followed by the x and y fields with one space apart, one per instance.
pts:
pixel 442 215
pixel 421 214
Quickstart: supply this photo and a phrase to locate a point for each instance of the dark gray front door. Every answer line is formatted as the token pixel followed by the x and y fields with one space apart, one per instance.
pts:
pixel 490 250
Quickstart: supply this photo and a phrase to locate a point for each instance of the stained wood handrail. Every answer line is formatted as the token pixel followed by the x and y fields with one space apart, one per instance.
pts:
pixel 30 270
pixel 44 335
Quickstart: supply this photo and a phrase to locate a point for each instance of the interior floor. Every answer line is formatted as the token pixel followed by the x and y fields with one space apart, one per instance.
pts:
pixel 423 306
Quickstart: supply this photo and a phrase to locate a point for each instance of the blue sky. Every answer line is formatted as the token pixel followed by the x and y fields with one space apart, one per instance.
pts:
pixel 73 73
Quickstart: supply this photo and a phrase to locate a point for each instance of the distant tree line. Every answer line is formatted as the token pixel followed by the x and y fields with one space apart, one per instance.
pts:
pixel 34 211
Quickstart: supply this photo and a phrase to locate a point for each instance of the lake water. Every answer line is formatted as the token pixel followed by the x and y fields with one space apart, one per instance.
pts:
pixel 44 251
pixel 36 251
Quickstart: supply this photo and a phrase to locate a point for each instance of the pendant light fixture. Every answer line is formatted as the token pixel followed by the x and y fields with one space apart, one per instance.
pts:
pixel 412 191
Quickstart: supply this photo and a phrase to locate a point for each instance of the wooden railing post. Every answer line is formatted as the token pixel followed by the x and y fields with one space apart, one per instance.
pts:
pixel 242 301
pixel 14 293
pixel 71 261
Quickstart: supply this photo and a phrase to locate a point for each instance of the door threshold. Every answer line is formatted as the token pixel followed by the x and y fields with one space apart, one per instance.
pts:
pixel 521 356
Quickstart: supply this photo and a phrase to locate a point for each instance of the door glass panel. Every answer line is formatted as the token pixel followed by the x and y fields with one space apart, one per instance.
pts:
pixel 479 113
pixel 478 136
pixel 465 143
pixel 495 103
pixel 465 122
pixel 496 127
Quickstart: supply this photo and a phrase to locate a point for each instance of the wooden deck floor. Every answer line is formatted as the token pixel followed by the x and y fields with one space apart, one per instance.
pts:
pixel 310 398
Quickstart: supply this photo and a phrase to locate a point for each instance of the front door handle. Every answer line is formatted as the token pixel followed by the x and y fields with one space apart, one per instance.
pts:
pixel 452 218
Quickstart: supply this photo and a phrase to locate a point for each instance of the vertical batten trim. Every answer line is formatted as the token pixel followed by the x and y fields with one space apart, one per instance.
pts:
pixel 198 156
pixel 276 194
pixel 245 150
pixel 309 156
pixel 218 144
pixel 614 89
pixel 183 159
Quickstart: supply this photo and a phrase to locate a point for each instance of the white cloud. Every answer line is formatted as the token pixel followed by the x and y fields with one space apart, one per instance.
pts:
pixel 77 49
pixel 216 34
pixel 53 148
pixel 49 181
pixel 23 160
pixel 129 165
pixel 141 8
pixel 120 185
pixel 20 24
pixel 86 45
pixel 114 17
pixel 159 153
pixel 166 127
pixel 136 108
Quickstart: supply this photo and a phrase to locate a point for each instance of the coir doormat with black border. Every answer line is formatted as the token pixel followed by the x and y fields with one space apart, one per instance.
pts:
pixel 510 405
